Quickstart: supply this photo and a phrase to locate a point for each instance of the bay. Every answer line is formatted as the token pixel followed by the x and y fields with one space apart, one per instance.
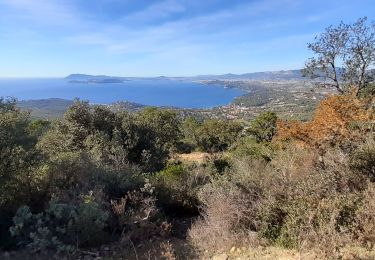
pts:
pixel 151 92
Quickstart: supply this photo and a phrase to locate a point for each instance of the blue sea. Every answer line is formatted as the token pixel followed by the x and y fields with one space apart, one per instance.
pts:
pixel 152 92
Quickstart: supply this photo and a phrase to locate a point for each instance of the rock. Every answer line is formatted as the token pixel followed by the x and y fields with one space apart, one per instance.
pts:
pixel 233 249
pixel 223 256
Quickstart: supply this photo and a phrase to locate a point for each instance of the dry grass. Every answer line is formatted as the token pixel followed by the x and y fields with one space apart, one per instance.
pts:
pixel 299 200
pixel 229 214
pixel 195 157
pixel 271 253
pixel 365 218
pixel 220 228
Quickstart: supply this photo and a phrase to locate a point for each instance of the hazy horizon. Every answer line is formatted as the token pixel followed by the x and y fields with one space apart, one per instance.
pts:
pixel 144 76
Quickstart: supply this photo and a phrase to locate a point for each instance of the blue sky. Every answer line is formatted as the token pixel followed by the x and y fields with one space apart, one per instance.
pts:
pixel 52 38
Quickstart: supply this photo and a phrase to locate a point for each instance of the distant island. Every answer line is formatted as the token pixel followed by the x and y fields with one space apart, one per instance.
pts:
pixel 95 81
pixel 91 79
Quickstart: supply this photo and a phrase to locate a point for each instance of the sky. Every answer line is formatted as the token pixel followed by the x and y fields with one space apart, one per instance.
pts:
pixel 54 38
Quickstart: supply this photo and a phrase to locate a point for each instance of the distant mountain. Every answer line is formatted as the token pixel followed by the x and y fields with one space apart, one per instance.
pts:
pixel 267 75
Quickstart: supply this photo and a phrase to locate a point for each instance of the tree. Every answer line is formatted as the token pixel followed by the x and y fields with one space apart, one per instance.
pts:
pixel 16 153
pixel 263 128
pixel 344 55
pixel 189 128
pixel 77 123
pixel 114 140
pixel 158 131
pixel 217 135
pixel 361 52
pixel 164 123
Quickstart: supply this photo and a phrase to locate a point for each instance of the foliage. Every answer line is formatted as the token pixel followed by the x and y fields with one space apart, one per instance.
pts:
pixel 91 149
pixel 115 140
pixel 98 173
pixel 61 227
pixel 248 146
pixel 331 124
pixel 16 154
pixel 363 159
pixel 189 129
pixel 176 188
pixel 263 128
pixel 352 45
pixel 364 218
pixel 217 135
pixel 290 202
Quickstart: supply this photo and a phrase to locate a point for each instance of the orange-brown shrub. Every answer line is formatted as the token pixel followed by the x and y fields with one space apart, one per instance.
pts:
pixel 337 118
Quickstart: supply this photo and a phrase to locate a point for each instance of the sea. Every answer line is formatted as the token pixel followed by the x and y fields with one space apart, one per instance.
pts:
pixel 153 92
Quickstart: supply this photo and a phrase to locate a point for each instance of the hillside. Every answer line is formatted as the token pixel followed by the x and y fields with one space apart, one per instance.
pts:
pixel 109 184
pixel 265 75
pixel 53 108
pixel 45 108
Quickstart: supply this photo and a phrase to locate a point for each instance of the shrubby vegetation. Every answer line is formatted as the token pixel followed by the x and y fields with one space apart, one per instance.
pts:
pixel 97 176
pixel 210 135
pixel 99 179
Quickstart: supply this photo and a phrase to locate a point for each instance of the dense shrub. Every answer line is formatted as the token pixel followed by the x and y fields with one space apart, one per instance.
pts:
pixel 112 175
pixel 61 227
pixel 17 161
pixel 115 140
pixel 247 146
pixel 90 149
pixel 230 206
pixel 263 128
pixel 176 188
pixel 16 153
pixel 225 222
pixel 331 123
pixel 363 159
pixel 216 135
pixel 293 201
pixel 190 130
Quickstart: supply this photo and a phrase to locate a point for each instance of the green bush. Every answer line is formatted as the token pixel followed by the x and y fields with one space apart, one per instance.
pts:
pixel 363 160
pixel 17 155
pixel 61 227
pixel 217 135
pixel 115 139
pixel 263 128
pixel 176 188
pixel 248 147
